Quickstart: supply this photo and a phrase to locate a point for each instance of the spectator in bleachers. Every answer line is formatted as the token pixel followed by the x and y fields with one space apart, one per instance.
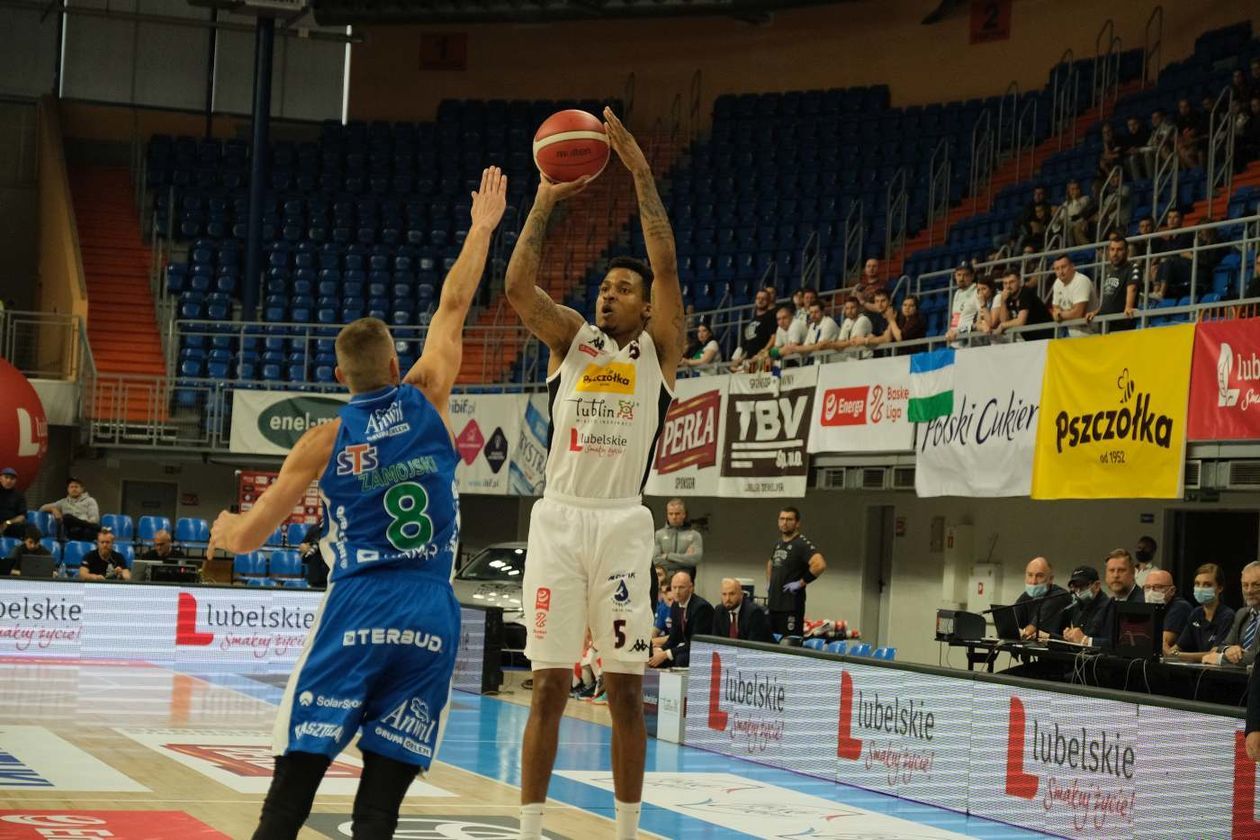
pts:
pixel 758 332
pixel 313 558
pixel 1122 576
pixel 985 301
pixel 1041 619
pixel 1209 622
pixel 1084 623
pixel 1073 295
pixel 1173 263
pixel 1112 153
pixel 1032 233
pixel 963 308
pixel 707 350
pixel 808 298
pixel 739 617
pixel 163 550
pixel 1018 306
pixel 1240 86
pixel 790 332
pixel 1029 222
pixel 1241 642
pixel 798 305
pixel 869 283
pixel 1192 133
pixel 854 331
pixel 1247 132
pixel 1133 141
pixel 1121 283
pixel 104 563
pixel 1114 200
pixel 1159 589
pixel 30 544
pixel 12 504
pixel 1078 211
pixel 821 329
pixel 78 513
pixel 906 325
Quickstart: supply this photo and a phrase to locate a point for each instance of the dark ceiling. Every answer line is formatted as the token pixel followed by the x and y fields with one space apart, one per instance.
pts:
pixel 355 12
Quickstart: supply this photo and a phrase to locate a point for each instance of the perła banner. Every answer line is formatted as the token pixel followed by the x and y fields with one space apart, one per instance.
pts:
pixel 686 458
pixel 1114 416
pixel 270 422
pixel 767 422
pixel 984 447
pixel 1224 399
pixel 862 407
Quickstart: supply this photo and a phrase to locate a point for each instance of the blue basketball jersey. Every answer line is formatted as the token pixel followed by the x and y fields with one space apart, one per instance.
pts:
pixel 388 492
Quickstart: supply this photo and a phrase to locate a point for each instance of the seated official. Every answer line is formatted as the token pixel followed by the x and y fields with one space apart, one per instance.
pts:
pixel 163 550
pixel 739 617
pixel 1042 619
pixel 660 627
pixel 1208 624
pixel 1085 622
pixel 1159 589
pixel 1240 644
pixel 104 563
pixel 689 615
pixel 313 558
pixel 30 544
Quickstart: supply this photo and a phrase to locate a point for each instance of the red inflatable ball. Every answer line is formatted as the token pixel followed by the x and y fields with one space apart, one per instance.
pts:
pixel 23 425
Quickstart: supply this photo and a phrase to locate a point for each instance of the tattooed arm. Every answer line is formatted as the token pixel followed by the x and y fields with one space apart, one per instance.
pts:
pixel 552 323
pixel 667 325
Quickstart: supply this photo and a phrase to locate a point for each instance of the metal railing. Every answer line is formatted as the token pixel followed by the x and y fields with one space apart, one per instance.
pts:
pixel 1111 197
pixel 1220 147
pixel 1106 81
pixel 982 157
pixel 939 183
pixel 854 239
pixel 1007 122
pixel 1165 176
pixel 43 345
pixel 1064 100
pixel 896 203
pixel 1153 47
pixel 811 262
pixel 1026 140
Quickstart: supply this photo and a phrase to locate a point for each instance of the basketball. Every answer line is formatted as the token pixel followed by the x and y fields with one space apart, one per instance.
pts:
pixel 23 426
pixel 570 145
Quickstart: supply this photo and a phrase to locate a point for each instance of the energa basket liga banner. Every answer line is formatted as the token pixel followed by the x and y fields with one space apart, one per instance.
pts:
pixel 1113 416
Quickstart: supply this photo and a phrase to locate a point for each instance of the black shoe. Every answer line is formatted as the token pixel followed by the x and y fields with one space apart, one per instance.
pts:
pixel 587 691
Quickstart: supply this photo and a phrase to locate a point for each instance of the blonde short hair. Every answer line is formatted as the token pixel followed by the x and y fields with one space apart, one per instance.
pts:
pixel 364 348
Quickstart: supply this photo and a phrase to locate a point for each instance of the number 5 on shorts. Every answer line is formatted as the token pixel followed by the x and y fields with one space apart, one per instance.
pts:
pixel 619 630
pixel 407 505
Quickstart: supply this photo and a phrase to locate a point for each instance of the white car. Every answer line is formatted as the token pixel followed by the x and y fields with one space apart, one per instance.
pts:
pixel 492 578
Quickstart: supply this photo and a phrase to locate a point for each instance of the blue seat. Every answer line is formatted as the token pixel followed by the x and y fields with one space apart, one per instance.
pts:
pixel 276 540
pixel 54 547
pixel 839 646
pixel 44 521
pixel 7 544
pixel 128 551
pixel 285 563
pixel 251 568
pixel 191 532
pixel 120 524
pixel 295 532
pixel 74 552
pixel 886 653
pixel 150 525
pixel 814 644
pixel 860 649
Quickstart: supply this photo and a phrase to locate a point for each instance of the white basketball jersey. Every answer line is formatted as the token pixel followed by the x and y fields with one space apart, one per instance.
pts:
pixel 607 407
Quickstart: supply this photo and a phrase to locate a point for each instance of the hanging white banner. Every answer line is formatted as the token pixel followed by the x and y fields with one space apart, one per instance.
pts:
pixel 860 406
pixel 270 422
pixel 487 427
pixel 686 459
pixel 766 434
pixel 985 446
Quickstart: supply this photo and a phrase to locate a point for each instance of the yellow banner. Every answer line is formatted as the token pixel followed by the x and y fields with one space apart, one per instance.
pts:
pixel 1113 416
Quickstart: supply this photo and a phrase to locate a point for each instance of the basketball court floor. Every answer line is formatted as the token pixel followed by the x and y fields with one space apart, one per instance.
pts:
pixel 133 751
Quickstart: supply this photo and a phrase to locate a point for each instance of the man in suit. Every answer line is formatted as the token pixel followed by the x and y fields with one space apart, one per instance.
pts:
pixel 1122 577
pixel 690 615
pixel 1085 621
pixel 1239 647
pixel 739 617
pixel 1039 620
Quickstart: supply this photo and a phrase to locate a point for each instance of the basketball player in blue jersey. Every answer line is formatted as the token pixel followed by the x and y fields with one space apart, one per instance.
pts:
pixel 382 650
pixel 589 562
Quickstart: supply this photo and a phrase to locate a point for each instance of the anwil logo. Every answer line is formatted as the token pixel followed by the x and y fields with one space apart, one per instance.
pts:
pixel 1133 420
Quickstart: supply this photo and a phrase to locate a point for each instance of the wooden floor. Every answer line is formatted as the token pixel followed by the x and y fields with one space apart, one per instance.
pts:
pixel 102 709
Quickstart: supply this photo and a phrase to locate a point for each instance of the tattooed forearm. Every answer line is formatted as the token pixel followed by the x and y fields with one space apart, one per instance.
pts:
pixel 522 268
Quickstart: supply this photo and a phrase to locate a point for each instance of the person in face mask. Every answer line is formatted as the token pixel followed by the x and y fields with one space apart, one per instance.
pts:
pixel 1085 621
pixel 1144 559
pixel 1159 589
pixel 1039 620
pixel 1209 622
pixel 1240 644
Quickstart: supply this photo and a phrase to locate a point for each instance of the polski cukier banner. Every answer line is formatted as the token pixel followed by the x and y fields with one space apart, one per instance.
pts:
pixel 1113 416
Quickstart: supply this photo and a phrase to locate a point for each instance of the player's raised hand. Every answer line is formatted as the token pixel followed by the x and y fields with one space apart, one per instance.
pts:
pixel 222 532
pixel 553 191
pixel 489 202
pixel 623 143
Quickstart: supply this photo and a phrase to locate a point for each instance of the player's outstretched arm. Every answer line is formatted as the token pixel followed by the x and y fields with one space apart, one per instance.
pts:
pixel 434 373
pixel 238 533
pixel 667 325
pixel 553 324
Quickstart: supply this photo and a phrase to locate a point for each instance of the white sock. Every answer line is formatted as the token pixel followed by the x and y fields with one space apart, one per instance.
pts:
pixel 627 819
pixel 531 821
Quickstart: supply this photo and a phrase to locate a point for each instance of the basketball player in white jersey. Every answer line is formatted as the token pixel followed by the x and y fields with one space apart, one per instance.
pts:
pixel 589 562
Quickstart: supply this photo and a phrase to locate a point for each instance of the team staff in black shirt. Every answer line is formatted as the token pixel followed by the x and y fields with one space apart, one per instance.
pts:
pixel 793 564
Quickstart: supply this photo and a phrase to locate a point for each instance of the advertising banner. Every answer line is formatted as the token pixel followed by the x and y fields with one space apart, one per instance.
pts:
pixel 984 447
pixel 528 468
pixel 766 434
pixel 686 460
pixel 862 407
pixel 1113 419
pixel 486 430
pixel 1224 403
pixel 270 422
pixel 250 485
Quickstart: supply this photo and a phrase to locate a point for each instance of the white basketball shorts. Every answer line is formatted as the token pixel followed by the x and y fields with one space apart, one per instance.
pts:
pixel 589 564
